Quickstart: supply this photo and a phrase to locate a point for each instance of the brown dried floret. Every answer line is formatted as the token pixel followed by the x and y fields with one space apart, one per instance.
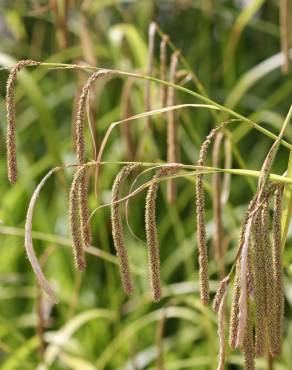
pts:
pixel 74 218
pixel 117 228
pixel 151 232
pixel 11 118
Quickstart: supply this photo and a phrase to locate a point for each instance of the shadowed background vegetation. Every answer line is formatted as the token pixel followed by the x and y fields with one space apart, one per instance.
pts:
pixel 233 48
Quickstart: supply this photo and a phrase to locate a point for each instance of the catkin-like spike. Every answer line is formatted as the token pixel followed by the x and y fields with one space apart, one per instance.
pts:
pixel 201 222
pixel 221 290
pixel 117 228
pixel 244 270
pixel 234 318
pixel 260 287
pixel 79 135
pixel 276 344
pixel 11 118
pixel 270 362
pixel 84 210
pixel 80 151
pixel 233 328
pixel 202 242
pixel 163 68
pixel 248 345
pixel 151 39
pixel 151 233
pixel 172 129
pixel 245 278
pixel 270 286
pixel 74 218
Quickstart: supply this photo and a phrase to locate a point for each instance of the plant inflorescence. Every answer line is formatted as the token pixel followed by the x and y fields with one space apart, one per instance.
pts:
pixel 256 319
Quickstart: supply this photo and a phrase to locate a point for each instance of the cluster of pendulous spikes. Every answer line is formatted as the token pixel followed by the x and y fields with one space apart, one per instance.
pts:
pixel 150 227
pixel 261 304
pixel 79 212
pixel 78 207
pixel 257 313
pixel 258 302
pixel 79 190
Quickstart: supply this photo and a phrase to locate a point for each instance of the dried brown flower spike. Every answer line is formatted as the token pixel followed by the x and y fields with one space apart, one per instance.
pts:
pixel 237 294
pixel 74 217
pixel 243 298
pixel 79 124
pixel 248 345
pixel 234 319
pixel 80 151
pixel 151 232
pixel 270 283
pixel 117 228
pixel 11 118
pixel 84 210
pixel 276 337
pixel 201 222
pixel 260 288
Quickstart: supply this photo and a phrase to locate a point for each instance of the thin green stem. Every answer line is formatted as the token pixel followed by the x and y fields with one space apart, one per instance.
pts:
pixel 183 89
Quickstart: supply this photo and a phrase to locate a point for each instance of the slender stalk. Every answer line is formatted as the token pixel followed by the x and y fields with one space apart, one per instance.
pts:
pixel 172 129
pixel 181 88
pixel 151 44
pixel 217 205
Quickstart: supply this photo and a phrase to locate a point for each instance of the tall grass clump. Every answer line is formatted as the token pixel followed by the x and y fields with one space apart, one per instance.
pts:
pixel 244 218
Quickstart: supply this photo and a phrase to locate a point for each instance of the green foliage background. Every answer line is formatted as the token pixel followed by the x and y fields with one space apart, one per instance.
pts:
pixel 232 49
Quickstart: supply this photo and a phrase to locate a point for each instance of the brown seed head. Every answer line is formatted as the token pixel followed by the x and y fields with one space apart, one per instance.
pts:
pixel 201 222
pixel 79 121
pixel 233 327
pixel 277 328
pixel 151 232
pixel 117 228
pixel 74 218
pixel 235 310
pixel 84 210
pixel 11 118
pixel 260 286
pixel 248 346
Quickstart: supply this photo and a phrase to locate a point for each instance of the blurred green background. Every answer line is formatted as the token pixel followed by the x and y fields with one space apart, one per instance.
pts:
pixel 233 47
